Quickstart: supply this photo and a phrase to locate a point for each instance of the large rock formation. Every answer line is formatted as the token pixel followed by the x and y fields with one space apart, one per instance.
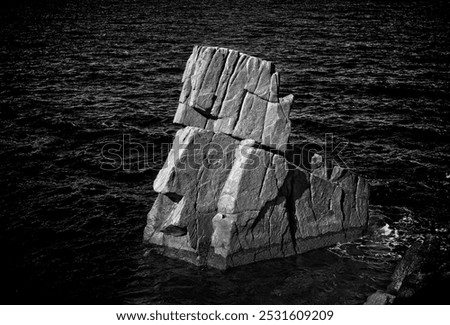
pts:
pixel 227 194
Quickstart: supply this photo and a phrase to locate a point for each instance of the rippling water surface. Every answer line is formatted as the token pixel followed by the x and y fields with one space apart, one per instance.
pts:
pixel 76 75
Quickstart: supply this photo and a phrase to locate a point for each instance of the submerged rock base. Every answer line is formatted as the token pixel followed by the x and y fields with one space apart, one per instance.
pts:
pixel 228 195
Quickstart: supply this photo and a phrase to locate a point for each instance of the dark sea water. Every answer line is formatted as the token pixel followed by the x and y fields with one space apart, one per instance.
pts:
pixel 76 75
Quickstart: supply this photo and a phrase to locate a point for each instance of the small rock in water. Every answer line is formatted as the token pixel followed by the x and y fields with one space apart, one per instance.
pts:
pixel 385 230
pixel 380 298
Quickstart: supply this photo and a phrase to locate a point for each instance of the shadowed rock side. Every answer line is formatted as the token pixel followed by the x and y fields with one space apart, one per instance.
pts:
pixel 224 198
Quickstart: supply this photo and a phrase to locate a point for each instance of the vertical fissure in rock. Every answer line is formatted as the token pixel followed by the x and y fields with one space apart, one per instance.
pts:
pixel 341 206
pixel 292 219
pixel 312 202
pixel 262 213
pixel 311 197
pixel 354 204
pixel 223 68
pixel 265 179
pixel 238 239
pixel 283 240
pixel 227 83
pixel 260 73
pixel 239 110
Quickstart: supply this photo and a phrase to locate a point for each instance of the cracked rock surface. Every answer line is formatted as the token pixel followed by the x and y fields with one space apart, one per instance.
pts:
pixel 236 94
pixel 228 195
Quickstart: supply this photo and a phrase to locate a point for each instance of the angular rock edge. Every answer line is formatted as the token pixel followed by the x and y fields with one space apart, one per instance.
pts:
pixel 233 93
pixel 228 193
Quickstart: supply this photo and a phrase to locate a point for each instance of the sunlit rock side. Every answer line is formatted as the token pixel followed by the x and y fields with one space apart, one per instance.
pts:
pixel 236 94
pixel 225 198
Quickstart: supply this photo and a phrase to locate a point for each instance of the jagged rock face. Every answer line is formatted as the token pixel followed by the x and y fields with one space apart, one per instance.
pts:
pixel 224 198
pixel 236 94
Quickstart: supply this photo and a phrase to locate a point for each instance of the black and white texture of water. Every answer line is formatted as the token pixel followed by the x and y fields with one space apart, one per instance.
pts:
pixel 76 75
